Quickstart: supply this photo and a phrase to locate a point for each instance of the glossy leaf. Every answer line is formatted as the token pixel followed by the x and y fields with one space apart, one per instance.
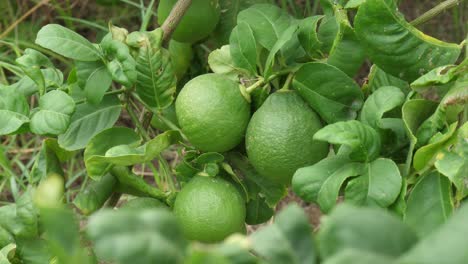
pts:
pixel 379 184
pixel 330 188
pixel 397 47
pixel 353 256
pixel 98 82
pixel 54 115
pixel 308 36
pixel 429 204
pixel 272 192
pixel 130 154
pixel 120 63
pixel 88 120
pixel 368 229
pixel 14 111
pixel 444 245
pixel 31 63
pixel 424 156
pixel 284 39
pixel 243 48
pixel 156 81
pixel 152 234
pixel 329 91
pixel 378 78
pixel 98 146
pixel 95 194
pixel 267 21
pixel 221 62
pixel 288 240
pixel 67 43
pixel 363 140
pixel 346 53
pixel 381 101
pixel 437 76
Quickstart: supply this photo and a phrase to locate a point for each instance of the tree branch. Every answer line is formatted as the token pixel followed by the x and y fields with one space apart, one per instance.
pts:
pixel 434 12
pixel 175 17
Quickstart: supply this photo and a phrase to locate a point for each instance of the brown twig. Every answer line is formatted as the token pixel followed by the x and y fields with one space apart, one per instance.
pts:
pixel 434 12
pixel 175 17
pixel 23 17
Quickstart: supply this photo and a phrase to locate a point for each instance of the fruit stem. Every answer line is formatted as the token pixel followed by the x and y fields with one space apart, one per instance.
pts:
pixel 287 83
pixel 254 86
pixel 174 18
pixel 137 122
pixel 171 125
pixel 434 12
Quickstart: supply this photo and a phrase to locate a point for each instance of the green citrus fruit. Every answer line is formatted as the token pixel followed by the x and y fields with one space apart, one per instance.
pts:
pixel 279 137
pixel 197 23
pixel 212 112
pixel 181 56
pixel 209 209
pixel 143 203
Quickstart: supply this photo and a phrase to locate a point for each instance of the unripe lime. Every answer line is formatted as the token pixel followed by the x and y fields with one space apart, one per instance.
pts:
pixel 279 137
pixel 212 112
pixel 196 24
pixel 210 209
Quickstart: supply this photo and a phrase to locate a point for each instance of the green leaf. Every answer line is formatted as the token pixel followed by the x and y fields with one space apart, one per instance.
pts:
pixel 353 256
pixel 437 76
pixel 454 163
pixel 97 83
pixel 328 30
pixel 444 245
pixel 378 78
pixel 424 156
pixel 307 181
pixel 153 235
pixel 119 62
pixel 258 211
pixel 429 204
pixel 64 245
pixel 98 146
pixel 31 63
pixel 330 188
pixel 431 126
pixel 53 117
pixel 346 53
pixel 363 140
pixel 95 194
pixel 243 48
pixel 372 230
pixel 288 240
pixel 267 21
pixel 221 62
pixel 156 81
pixel 6 252
pixel 14 111
pixel 228 17
pixel 282 41
pixel 5 239
pixel 329 91
pixel 354 3
pixel 129 154
pixel 88 120
pixel 62 154
pixel 380 184
pixel 458 93
pixel 377 104
pixel 67 43
pixel 272 192
pixel 397 47
pixel 135 185
pixel 46 163
pixel 308 37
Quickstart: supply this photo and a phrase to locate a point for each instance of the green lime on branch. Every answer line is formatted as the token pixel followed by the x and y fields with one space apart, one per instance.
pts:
pixel 279 138
pixel 212 113
pixel 197 22
pixel 209 209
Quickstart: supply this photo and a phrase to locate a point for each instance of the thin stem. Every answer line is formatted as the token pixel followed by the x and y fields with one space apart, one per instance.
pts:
pixel 137 122
pixel 23 17
pixel 175 17
pixel 254 86
pixel 287 83
pixel 434 12
pixel 81 101
pixel 147 17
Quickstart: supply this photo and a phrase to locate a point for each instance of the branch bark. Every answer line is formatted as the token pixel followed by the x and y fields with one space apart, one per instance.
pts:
pixel 174 18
